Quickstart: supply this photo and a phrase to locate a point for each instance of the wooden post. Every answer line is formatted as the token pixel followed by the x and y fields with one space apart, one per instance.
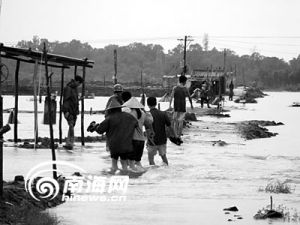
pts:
pixel 271 202
pixel 16 101
pixel 50 115
pixel 82 103
pixel 36 131
pixel 143 99
pixel 75 71
pixel 61 103
pixel 1 136
pixel 115 66
pixel 1 144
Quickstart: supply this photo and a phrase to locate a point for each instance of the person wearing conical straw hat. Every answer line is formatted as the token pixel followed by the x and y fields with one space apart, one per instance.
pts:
pixel 136 109
pixel 119 128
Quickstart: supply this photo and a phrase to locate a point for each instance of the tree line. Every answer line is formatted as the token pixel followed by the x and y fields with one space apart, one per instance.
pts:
pixel 153 62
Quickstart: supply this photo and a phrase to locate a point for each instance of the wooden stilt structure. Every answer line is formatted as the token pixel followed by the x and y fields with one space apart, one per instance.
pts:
pixel 48 60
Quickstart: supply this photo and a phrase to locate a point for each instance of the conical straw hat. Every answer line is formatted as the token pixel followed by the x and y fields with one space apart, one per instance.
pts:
pixel 133 103
pixel 114 104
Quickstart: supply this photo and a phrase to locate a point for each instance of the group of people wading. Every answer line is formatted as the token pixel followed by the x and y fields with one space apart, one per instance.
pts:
pixel 129 127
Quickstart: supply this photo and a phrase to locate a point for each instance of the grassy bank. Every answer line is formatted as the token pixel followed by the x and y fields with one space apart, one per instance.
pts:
pixel 26 215
pixel 18 207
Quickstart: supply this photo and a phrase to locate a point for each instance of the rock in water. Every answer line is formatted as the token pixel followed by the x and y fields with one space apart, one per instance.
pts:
pixel 232 209
pixel 190 117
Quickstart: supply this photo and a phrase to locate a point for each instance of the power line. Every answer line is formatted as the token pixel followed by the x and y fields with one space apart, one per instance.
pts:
pixel 131 39
pixel 263 43
pixel 243 47
pixel 258 37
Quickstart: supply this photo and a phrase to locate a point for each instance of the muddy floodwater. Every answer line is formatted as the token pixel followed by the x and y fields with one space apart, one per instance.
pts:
pixel 202 178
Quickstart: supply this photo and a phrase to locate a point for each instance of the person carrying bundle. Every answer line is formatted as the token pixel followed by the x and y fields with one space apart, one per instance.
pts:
pixel 119 128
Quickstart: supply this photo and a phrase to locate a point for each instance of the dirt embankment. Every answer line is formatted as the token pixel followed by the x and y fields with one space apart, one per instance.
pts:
pixel 18 207
pixel 256 129
pixel 250 95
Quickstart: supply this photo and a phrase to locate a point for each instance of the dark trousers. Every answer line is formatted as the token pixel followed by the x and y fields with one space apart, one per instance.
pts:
pixel 138 148
pixel 204 100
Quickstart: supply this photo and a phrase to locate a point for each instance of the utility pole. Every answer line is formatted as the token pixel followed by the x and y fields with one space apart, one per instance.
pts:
pixel 224 72
pixel 184 53
pixel 143 99
pixel 224 60
pixel 115 66
pixel 235 72
pixel 184 56
pixel 243 74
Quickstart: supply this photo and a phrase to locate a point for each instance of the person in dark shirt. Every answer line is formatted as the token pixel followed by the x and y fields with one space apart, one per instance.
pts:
pixel 204 95
pixel 179 93
pixel 158 143
pixel 70 108
pixel 118 96
pixel 119 128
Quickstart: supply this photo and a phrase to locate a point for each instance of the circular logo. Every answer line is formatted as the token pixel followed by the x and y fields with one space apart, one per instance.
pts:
pixel 45 187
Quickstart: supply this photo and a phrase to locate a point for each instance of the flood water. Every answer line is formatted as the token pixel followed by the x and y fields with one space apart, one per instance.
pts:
pixel 201 179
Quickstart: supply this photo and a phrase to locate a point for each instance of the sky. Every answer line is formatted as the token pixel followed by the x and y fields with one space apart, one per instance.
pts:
pixel 270 27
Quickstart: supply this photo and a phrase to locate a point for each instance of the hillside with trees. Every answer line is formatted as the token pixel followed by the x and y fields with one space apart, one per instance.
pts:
pixel 154 62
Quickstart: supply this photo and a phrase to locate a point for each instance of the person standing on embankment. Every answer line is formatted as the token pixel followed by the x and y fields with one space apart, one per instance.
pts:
pixel 70 108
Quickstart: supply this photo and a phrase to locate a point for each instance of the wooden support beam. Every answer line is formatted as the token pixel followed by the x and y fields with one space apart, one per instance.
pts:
pixel 61 104
pixel 33 61
pixel 65 60
pixel 16 101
